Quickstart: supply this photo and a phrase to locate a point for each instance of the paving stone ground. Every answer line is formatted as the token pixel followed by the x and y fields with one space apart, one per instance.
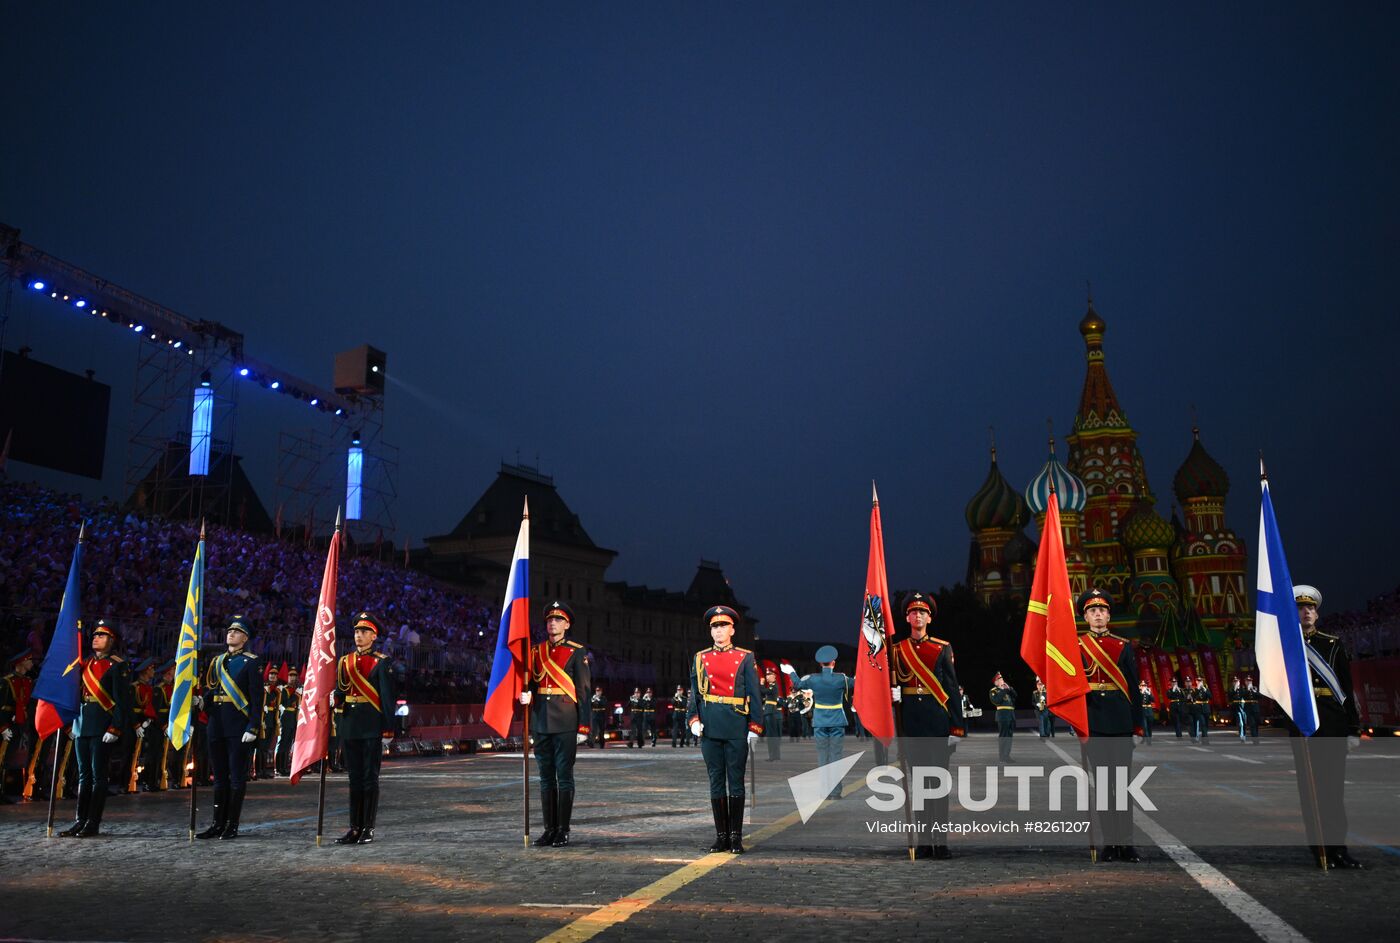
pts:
pixel 451 865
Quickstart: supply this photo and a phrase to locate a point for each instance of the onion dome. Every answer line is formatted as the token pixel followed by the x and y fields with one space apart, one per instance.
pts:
pixel 996 503
pixel 1019 549
pixel 1200 476
pixel 1091 325
pixel 1068 487
pixel 1145 529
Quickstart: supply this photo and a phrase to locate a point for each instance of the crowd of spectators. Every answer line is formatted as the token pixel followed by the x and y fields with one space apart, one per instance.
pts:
pixel 136 569
pixel 1369 632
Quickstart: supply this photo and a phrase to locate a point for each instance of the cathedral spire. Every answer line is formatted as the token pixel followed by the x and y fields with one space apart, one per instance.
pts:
pixel 1098 404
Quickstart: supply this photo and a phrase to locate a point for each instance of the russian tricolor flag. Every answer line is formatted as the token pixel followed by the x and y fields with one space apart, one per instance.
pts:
pixel 1279 648
pixel 512 638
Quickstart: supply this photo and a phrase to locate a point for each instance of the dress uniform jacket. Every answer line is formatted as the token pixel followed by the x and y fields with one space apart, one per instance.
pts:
pixel 830 690
pixel 561 686
pixel 366 687
pixel 232 683
pixel 1110 665
pixel 929 703
pixel 724 694
pixel 106 697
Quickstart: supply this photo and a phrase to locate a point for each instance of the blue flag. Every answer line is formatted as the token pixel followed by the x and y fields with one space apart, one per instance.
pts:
pixel 187 653
pixel 1278 635
pixel 57 688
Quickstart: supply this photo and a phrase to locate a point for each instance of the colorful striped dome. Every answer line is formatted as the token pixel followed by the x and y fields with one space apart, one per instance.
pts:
pixel 1068 488
pixel 1200 476
pixel 996 503
pixel 1145 529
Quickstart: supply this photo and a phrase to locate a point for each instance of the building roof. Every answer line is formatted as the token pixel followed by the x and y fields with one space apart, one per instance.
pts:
pixel 497 512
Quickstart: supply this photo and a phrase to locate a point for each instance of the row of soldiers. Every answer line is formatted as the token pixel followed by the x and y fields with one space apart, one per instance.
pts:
pixel 1188 708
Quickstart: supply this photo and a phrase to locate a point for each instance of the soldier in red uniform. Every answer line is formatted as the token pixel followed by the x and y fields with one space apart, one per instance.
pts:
pixel 558 692
pixel 143 711
pixel 102 717
pixel 1115 717
pixel 726 714
pixel 15 690
pixel 156 751
pixel 365 689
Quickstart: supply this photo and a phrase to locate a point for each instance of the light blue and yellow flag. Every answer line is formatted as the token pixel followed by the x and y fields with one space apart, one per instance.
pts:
pixel 187 654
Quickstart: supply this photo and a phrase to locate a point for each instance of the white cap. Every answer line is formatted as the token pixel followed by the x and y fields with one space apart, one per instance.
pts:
pixel 1303 593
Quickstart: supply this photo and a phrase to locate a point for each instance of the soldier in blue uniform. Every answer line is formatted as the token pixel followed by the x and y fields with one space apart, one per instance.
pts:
pixel 1003 700
pixel 830 690
pixel 930 713
pixel 1325 752
pixel 1177 699
pixel 558 696
pixel 725 714
pixel 364 683
pixel 103 717
pixel 232 699
pixel 1114 714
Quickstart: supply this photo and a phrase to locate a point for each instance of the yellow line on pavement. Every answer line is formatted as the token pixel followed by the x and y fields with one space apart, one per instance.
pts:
pixel 590 925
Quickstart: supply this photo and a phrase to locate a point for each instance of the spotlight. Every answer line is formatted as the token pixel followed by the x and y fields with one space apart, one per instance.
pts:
pixel 338 411
pixel 242 371
pixel 276 384
pixel 37 285
pixel 80 303
pixel 65 298
pixel 374 369
pixel 138 328
pixel 190 351
pixel 179 344
pixel 205 379
pixel 53 294
pixel 355 439
pixel 314 401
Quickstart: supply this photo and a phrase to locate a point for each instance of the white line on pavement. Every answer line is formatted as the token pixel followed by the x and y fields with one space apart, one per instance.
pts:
pixel 1243 759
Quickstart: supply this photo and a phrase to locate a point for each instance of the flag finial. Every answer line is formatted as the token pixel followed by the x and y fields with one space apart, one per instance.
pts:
pixel 874 495
pixel 337 517
pixel 526 513
pixel 1263 472
pixel 201 528
pixel 82 529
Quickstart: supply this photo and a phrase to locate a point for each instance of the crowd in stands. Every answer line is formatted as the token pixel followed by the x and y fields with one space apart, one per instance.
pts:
pixel 136 570
pixel 1368 632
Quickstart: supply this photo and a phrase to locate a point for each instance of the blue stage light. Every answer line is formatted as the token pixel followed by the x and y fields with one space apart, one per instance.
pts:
pixel 201 429
pixel 354 468
pixel 179 344
pixel 138 328
pixel 276 384
pixel 80 303
pixel 242 371
pixel 338 411
pixel 37 285
pixel 314 401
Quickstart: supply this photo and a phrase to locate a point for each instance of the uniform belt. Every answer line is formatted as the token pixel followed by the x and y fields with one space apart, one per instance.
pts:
pixel 769 703
pixel 1323 692
pixel 89 699
pixel 829 707
pixel 549 690
pixel 1100 686
pixel 357 699
pixel 915 689
pixel 1002 708
pixel 725 699
pixel 222 699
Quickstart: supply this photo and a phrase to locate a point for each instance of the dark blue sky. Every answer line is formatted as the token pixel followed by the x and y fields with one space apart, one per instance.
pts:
pixel 721 265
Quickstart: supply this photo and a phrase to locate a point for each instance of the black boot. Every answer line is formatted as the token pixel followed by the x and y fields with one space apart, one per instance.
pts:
pixel 235 810
pixel 356 819
pixel 1338 858
pixel 736 825
pixel 1108 853
pixel 93 824
pixel 566 812
pixel 1129 854
pixel 371 809
pixel 84 800
pixel 720 808
pixel 220 815
pixel 549 805
pixel 941 853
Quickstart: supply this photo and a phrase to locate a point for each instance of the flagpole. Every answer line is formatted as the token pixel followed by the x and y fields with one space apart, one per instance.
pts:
pixel 53 784
pixel 525 745
pixel 194 783
pixel 325 752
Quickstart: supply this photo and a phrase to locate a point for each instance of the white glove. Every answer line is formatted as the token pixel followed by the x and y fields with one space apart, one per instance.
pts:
pixel 526 697
pixel 199 701
pixel 1137 741
pixel 896 695
pixel 141 732
pixel 789 670
pixel 72 733
pixel 581 738
pixel 753 737
pixel 952 741
pixel 249 737
pixel 110 737
pixel 8 734
pixel 1352 743
pixel 695 728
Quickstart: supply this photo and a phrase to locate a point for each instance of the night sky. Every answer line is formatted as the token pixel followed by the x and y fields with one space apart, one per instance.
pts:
pixel 715 267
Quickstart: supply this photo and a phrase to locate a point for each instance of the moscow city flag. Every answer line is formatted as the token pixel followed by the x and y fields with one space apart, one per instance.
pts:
pixel 871 699
pixel 512 638
pixel 1050 642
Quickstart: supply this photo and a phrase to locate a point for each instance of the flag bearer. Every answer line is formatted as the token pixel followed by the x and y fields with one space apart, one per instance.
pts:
pixel 365 688
pixel 232 700
pixel 558 695
pixel 103 715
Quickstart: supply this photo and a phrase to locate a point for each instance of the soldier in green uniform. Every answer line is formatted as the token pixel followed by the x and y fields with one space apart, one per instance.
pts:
pixel 598 728
pixel 1040 698
pixel 558 694
pixel 1251 710
pixel 1200 710
pixel 266 749
pixel 232 701
pixel 1115 717
pixel 1325 752
pixel 1177 698
pixel 724 714
pixel 649 716
pixel 635 721
pixel 1237 705
pixel 772 711
pixel 365 689
pixel 1147 701
pixel 103 716
pixel 1003 700
pixel 677 718
pixel 156 750
pixel 288 701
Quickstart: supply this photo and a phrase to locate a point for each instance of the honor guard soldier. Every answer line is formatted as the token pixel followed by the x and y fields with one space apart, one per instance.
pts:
pixel 1148 702
pixel 1114 709
pixel 267 731
pixel 1237 705
pixel 558 696
pixel 156 755
pixel 1200 710
pixel 724 714
pixel 143 711
pixel 649 716
pixel 288 701
pixel 1251 710
pixel 634 714
pixel 365 688
pixel 231 700
pixel 679 733
pixel 1040 698
pixel 598 709
pixel 772 711
pixel 1325 752
pixel 15 690
pixel 1003 700
pixel 102 718
pixel 1177 699
pixel 930 712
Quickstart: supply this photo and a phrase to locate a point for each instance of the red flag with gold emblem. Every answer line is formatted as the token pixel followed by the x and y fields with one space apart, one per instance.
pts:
pixel 1050 642
pixel 871 699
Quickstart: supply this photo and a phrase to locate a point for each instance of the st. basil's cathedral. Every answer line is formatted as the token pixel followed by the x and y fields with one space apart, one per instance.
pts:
pixel 1178 586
